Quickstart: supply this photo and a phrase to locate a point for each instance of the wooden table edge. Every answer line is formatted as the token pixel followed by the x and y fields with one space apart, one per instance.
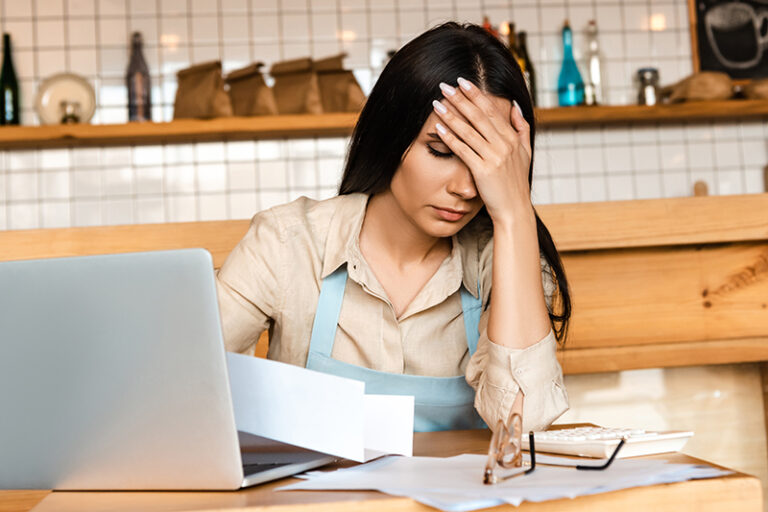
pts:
pixel 744 494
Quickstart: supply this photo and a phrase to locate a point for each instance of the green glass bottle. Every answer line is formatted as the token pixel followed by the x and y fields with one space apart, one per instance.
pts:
pixel 9 85
pixel 570 86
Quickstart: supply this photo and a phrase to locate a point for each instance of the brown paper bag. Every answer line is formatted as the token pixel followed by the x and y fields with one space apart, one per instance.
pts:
pixel 249 93
pixel 756 89
pixel 702 86
pixel 339 90
pixel 200 93
pixel 296 89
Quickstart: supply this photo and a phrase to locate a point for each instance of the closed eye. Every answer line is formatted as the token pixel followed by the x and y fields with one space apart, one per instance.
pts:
pixel 439 154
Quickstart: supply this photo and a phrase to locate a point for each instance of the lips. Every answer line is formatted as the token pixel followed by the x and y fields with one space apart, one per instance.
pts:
pixel 450 214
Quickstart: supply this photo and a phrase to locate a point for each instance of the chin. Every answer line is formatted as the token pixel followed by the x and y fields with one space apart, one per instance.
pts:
pixel 443 229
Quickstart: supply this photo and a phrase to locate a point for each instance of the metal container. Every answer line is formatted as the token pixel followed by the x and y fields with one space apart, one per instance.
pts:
pixel 648 91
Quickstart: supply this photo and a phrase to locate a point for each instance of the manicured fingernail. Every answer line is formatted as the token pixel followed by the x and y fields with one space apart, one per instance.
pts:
pixel 517 106
pixel 447 89
pixel 465 84
pixel 439 107
pixel 441 129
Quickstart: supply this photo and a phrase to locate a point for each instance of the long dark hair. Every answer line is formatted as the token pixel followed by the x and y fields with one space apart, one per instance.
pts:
pixel 401 101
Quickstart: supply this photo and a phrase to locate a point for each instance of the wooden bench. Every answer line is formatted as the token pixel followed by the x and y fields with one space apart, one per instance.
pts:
pixel 655 283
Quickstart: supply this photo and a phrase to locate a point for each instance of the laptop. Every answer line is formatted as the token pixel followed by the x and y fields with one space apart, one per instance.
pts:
pixel 113 377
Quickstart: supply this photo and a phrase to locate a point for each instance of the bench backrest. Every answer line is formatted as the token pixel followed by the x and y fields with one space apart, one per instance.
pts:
pixel 655 283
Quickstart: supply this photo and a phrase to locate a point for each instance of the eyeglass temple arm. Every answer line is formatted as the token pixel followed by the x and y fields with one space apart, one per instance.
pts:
pixel 532 449
pixel 608 462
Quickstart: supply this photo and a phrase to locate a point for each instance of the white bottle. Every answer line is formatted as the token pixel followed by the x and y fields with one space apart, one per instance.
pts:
pixel 593 87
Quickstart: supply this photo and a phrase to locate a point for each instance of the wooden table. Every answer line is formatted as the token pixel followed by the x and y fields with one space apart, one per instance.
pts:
pixel 738 492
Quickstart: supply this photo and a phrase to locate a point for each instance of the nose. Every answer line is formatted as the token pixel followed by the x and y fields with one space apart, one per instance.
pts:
pixel 462 184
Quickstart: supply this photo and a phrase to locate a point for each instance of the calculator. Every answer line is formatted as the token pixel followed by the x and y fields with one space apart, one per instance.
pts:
pixel 600 442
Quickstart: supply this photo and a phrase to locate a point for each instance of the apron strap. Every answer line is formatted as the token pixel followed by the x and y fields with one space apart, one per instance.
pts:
pixel 329 309
pixel 472 309
pixel 327 314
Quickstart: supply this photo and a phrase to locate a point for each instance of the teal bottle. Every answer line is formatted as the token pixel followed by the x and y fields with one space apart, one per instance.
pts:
pixel 570 86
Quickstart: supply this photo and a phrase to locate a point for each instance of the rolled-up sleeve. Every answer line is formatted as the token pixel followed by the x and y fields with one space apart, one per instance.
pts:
pixel 499 373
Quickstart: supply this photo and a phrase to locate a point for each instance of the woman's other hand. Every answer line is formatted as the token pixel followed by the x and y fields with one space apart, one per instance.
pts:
pixel 494 145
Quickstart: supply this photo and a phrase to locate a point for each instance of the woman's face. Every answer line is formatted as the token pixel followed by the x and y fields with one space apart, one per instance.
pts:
pixel 434 187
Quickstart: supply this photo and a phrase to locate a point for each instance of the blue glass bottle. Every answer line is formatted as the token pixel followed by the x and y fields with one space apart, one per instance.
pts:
pixel 570 86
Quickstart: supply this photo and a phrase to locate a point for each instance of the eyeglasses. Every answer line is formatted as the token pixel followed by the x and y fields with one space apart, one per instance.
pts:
pixel 506 451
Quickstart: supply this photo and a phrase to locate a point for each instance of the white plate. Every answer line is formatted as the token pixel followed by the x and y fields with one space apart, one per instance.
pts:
pixel 64 87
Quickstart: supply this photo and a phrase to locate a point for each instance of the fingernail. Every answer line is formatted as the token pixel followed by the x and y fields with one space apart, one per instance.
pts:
pixel 465 84
pixel 517 106
pixel 441 129
pixel 447 89
pixel 439 107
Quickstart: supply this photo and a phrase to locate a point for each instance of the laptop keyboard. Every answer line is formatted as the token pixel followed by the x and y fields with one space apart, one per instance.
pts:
pixel 252 469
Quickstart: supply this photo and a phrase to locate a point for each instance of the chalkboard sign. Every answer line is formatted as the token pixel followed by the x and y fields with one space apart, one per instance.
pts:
pixel 730 36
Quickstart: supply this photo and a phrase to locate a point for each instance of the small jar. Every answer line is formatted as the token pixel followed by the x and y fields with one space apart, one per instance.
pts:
pixel 648 92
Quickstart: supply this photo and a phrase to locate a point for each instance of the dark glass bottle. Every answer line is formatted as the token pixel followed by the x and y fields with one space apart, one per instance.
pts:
pixel 139 86
pixel 570 86
pixel 10 86
pixel 528 72
pixel 513 47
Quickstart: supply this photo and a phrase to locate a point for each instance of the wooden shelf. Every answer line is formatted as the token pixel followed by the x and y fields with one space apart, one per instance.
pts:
pixel 184 130
pixel 330 125
pixel 625 114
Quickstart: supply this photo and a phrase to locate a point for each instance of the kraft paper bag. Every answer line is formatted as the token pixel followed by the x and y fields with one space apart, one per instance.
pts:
pixel 702 86
pixel 249 93
pixel 200 93
pixel 296 87
pixel 756 89
pixel 339 90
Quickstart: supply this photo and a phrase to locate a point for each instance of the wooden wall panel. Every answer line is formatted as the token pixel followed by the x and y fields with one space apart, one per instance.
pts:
pixel 664 295
pixel 662 282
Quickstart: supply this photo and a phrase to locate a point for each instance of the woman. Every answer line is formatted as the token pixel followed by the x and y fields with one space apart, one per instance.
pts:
pixel 427 274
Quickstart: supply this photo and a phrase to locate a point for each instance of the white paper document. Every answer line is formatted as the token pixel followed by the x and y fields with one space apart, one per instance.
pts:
pixel 456 483
pixel 318 411
pixel 386 419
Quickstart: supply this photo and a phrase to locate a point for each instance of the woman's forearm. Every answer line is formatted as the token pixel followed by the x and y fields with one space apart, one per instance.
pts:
pixel 518 316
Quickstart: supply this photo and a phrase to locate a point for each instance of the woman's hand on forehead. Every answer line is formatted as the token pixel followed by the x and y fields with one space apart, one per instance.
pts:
pixel 494 145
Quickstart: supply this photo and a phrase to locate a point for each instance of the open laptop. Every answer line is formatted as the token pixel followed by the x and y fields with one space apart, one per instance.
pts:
pixel 113 376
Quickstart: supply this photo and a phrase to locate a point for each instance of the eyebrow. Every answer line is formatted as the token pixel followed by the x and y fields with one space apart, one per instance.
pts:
pixel 434 135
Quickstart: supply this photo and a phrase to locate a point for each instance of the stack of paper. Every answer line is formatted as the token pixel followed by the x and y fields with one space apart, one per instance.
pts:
pixel 456 483
pixel 318 411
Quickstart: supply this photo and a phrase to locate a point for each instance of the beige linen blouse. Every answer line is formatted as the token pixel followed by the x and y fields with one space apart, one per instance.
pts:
pixel 272 280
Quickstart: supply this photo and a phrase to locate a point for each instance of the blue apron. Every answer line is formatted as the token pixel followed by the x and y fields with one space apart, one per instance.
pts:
pixel 442 403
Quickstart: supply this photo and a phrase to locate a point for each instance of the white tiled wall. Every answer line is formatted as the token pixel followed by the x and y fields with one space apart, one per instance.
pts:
pixel 232 180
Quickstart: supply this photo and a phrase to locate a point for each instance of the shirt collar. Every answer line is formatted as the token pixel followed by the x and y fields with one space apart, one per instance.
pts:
pixel 343 231
pixel 342 244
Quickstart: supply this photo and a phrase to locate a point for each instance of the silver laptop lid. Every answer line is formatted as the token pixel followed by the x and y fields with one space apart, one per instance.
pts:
pixel 113 375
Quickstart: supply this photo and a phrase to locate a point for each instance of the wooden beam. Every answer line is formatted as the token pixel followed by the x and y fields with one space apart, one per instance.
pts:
pixel 665 355
pixel 574 227
pixel 219 237
pixel 656 222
